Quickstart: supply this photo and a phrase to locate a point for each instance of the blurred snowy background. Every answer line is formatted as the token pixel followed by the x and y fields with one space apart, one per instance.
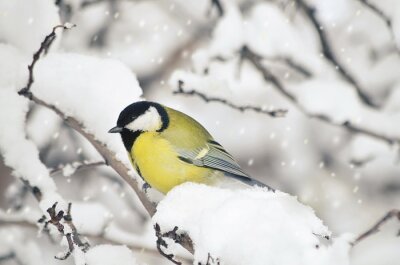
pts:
pixel 333 65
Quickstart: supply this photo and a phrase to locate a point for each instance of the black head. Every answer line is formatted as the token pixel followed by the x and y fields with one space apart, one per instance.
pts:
pixel 139 117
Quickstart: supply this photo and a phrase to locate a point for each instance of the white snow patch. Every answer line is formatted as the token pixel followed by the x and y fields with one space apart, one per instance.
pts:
pixel 228 34
pixel 24 24
pixel 93 90
pixel 90 218
pixel 250 226
pixel 109 254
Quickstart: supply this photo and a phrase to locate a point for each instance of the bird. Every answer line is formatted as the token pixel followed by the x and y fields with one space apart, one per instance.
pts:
pixel 167 148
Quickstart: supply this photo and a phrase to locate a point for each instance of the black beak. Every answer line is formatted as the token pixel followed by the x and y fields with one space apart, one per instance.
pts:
pixel 116 129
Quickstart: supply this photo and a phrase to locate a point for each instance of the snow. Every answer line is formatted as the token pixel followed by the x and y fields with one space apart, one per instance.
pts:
pixel 68 170
pixel 109 254
pixel 93 90
pixel 228 34
pixel 25 249
pixel 28 215
pixel 90 218
pixel 395 19
pixel 336 12
pixel 251 226
pixel 26 164
pixel 24 24
pixel 339 102
pixel 262 36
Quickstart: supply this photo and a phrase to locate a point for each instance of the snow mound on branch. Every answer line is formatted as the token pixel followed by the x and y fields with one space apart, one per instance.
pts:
pixel 26 164
pixel 249 226
pixel 339 102
pixel 90 89
pixel 108 254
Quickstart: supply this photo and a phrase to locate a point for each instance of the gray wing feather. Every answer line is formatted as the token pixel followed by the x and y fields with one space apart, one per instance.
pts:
pixel 214 156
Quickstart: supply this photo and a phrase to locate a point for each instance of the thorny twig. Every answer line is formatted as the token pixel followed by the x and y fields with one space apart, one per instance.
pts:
pixel 374 229
pixel 272 113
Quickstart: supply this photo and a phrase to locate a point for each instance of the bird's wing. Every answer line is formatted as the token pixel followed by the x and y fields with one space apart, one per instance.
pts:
pixel 214 156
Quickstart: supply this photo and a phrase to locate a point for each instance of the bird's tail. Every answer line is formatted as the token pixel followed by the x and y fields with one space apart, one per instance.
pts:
pixel 250 181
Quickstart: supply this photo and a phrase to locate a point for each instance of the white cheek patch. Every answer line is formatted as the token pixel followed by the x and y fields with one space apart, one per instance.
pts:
pixel 148 121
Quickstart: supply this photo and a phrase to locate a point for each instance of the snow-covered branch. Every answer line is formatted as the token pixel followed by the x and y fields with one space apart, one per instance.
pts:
pixel 68 170
pixel 108 156
pixel 385 18
pixel 273 113
pixel 329 53
pixel 257 62
pixel 376 227
pixel 43 49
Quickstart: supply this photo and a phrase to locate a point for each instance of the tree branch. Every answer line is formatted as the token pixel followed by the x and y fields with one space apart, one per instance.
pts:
pixel 329 54
pixel 43 49
pixel 375 228
pixel 273 113
pixel 382 15
pixel 103 237
pixel 78 166
pixel 182 239
pixel 256 61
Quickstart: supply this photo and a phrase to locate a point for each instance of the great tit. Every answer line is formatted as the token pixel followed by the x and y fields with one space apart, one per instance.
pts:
pixel 168 148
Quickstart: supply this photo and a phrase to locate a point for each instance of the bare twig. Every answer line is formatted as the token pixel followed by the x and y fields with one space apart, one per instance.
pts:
pixel 287 61
pixel 256 60
pixel 212 261
pixel 218 6
pixel 375 228
pixel 295 66
pixel 182 239
pixel 73 237
pixel 272 113
pixel 382 15
pixel 329 54
pixel 43 49
pixel 79 166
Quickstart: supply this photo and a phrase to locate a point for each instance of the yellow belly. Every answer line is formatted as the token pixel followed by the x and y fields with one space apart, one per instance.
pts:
pixel 161 168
